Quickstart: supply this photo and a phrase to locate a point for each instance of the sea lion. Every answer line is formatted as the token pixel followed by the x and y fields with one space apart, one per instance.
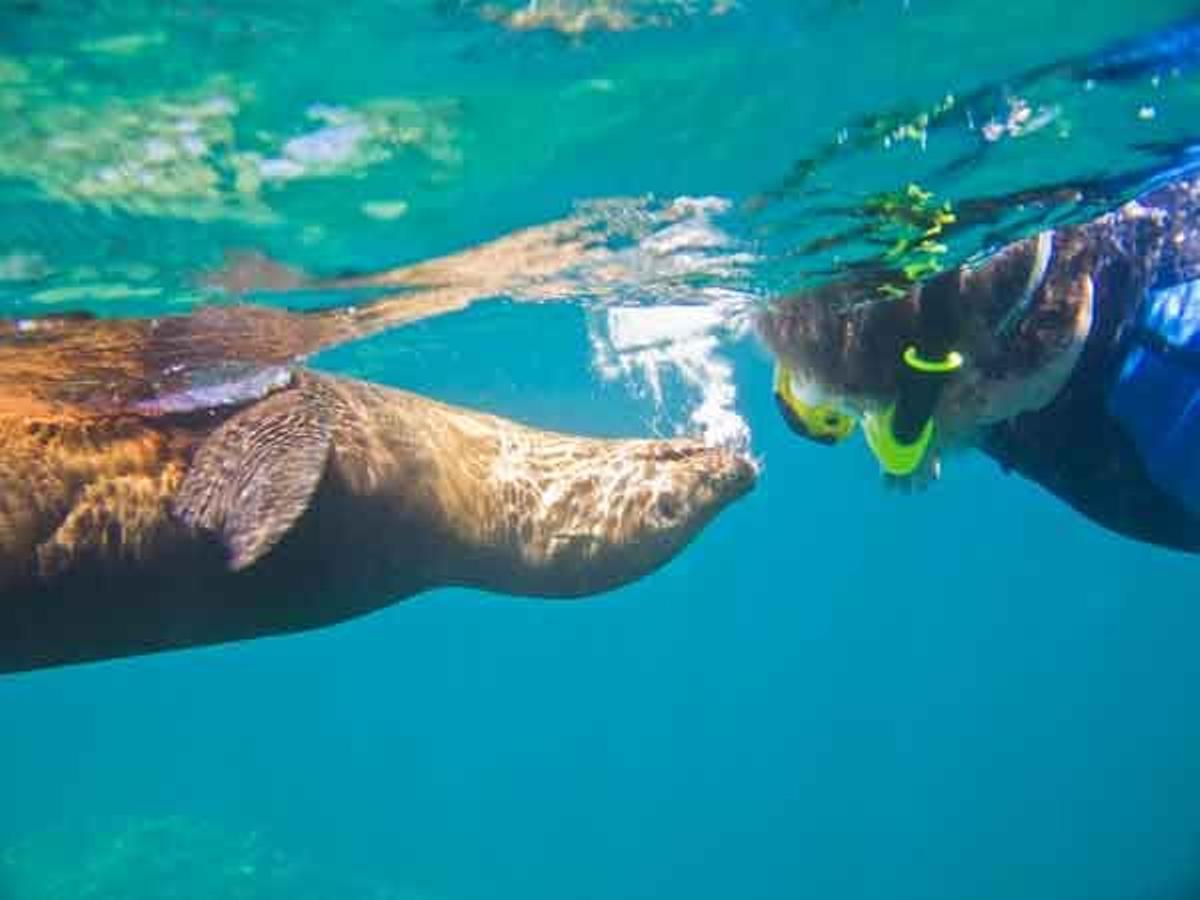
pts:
pixel 180 481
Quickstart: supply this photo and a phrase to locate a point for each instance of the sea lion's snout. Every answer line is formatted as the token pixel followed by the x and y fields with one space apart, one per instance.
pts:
pixel 655 497
pixel 710 475
pixel 685 484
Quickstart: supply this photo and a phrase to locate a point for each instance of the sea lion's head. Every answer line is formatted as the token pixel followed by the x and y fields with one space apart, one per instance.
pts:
pixel 590 515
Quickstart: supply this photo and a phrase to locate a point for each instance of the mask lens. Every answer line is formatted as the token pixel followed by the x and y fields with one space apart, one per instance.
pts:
pixel 820 422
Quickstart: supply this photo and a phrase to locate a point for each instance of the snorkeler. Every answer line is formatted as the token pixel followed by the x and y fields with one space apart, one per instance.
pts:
pixel 1071 357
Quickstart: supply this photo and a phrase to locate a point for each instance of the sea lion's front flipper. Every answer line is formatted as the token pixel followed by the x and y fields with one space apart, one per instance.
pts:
pixel 254 476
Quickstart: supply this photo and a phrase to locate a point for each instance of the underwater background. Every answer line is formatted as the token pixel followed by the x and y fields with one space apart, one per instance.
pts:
pixel 836 691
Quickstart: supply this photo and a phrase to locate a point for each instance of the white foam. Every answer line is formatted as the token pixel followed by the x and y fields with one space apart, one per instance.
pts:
pixel 647 346
pixel 678 297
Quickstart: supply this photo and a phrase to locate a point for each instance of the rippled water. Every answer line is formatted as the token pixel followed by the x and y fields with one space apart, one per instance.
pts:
pixel 830 694
pixel 145 143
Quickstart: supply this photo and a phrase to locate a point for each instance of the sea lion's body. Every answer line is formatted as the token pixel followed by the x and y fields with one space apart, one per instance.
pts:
pixel 182 481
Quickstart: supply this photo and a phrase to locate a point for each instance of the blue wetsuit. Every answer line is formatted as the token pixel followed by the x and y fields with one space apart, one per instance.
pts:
pixel 1121 442
pixel 1156 392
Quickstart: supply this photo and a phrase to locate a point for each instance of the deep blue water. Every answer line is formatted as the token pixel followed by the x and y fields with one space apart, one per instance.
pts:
pixel 835 692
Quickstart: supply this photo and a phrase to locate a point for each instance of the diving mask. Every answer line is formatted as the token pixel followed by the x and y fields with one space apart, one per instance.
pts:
pixel 807 413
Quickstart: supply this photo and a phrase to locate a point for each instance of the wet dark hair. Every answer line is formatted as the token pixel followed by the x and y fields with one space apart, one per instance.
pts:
pixel 851 342
pixel 845 343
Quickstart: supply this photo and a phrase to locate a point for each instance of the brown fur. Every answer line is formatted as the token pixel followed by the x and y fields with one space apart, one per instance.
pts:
pixel 127 526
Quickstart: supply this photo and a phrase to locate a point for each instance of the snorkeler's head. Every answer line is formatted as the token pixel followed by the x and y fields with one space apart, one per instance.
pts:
pixel 827 371
pixel 949 356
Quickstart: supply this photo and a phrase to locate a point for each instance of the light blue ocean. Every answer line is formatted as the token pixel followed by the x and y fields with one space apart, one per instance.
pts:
pixel 836 692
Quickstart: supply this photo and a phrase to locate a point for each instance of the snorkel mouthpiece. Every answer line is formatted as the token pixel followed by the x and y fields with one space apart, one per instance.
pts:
pixel 900 436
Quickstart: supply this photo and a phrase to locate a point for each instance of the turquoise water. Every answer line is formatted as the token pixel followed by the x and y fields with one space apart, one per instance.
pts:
pixel 836 692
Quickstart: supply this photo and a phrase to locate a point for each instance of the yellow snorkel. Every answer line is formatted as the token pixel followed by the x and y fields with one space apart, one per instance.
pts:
pixel 900 436
pixel 820 422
